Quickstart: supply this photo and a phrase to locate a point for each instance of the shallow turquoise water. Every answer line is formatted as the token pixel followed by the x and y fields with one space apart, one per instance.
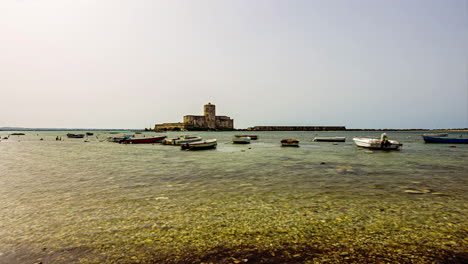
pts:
pixel 61 190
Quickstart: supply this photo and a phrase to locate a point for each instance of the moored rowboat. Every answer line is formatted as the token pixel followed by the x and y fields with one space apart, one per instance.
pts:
pixel 451 140
pixel 186 139
pixel 70 135
pixel 290 142
pixel 207 144
pixel 329 139
pixel 181 140
pixel 252 137
pixel 436 135
pixel 241 140
pixel 145 140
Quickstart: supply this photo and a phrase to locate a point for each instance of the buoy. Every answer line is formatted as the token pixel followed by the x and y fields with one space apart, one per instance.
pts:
pixel 453 146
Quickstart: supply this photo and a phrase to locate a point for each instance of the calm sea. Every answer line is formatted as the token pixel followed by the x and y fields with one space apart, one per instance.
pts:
pixel 72 201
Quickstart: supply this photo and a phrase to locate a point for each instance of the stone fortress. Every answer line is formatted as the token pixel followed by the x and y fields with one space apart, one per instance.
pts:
pixel 208 121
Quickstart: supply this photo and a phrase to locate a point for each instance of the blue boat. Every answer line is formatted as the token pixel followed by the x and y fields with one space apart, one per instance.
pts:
pixel 449 140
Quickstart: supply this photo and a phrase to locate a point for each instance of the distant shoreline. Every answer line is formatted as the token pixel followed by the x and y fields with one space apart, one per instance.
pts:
pixel 72 129
pixel 409 130
pixel 146 130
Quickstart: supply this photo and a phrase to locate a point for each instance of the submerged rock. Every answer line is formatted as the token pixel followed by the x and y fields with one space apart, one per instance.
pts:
pixel 440 194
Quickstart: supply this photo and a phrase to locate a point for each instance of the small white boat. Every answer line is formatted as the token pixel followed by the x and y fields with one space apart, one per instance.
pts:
pixel 374 143
pixel 290 142
pixel 186 139
pixel 252 137
pixel 207 144
pixel 241 140
pixel 169 141
pixel 181 140
pixel 329 139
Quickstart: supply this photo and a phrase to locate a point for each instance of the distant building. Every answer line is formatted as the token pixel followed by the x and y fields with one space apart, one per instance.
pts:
pixel 208 121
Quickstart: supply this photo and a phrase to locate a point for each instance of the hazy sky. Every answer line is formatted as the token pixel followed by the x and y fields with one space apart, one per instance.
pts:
pixel 134 63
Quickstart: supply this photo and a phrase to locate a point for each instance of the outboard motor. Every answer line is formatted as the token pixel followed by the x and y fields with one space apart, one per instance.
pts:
pixel 384 140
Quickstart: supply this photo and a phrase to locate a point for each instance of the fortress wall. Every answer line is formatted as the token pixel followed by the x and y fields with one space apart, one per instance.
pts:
pixel 224 122
pixel 195 121
pixel 168 126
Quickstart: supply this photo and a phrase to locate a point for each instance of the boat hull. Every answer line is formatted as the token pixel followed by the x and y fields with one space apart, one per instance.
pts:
pixel 290 143
pixel 75 135
pixel 252 137
pixel 371 143
pixel 436 135
pixel 208 144
pixel 241 140
pixel 151 140
pixel 446 140
pixel 329 139
pixel 179 142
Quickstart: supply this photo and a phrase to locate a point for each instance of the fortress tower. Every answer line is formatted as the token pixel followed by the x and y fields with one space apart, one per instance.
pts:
pixel 210 115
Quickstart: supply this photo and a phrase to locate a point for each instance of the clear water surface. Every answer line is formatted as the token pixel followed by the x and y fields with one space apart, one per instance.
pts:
pixel 57 197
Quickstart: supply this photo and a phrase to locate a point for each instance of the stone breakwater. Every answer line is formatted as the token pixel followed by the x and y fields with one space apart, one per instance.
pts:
pixel 297 128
